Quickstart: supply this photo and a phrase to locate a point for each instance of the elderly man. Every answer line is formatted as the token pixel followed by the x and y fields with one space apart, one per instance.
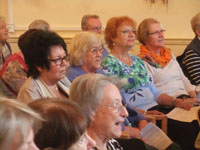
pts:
pixel 190 59
pixel 5 50
pixel 92 23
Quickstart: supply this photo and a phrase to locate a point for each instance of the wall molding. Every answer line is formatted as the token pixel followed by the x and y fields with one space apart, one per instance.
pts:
pixel 167 41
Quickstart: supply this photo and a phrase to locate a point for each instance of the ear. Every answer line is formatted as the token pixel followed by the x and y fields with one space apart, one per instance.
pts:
pixel 39 69
pixel 198 32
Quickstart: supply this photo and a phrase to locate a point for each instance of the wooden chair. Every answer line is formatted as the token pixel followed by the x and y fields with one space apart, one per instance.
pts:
pixel 152 118
pixel 163 119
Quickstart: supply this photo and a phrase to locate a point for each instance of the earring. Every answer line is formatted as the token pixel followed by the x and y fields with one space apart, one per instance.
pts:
pixel 113 44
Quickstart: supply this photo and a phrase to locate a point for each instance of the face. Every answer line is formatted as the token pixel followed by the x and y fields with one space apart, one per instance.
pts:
pixel 58 66
pixel 92 59
pixel 95 25
pixel 28 142
pixel 111 110
pixel 3 31
pixel 155 37
pixel 125 36
pixel 84 143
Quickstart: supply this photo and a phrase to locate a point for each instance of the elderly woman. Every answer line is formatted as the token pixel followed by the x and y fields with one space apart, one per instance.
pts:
pixel 46 57
pixel 65 125
pixel 5 49
pixel 138 86
pixel 106 106
pixel 160 62
pixel 85 55
pixel 16 126
pixel 190 59
pixel 14 71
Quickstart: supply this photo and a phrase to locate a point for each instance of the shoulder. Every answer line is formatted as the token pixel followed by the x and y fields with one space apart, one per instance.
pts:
pixel 29 85
pixel 29 91
pixel 73 72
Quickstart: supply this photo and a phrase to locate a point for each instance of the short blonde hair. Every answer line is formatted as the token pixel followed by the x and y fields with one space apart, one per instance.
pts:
pixel 143 29
pixel 80 44
pixel 195 22
pixel 16 118
pixel 39 24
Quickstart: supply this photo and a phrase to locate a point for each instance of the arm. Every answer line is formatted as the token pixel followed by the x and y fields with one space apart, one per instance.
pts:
pixel 192 64
pixel 165 99
pixel 188 86
pixel 14 75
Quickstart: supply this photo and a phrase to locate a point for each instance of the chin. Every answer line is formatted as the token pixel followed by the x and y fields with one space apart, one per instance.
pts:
pixel 117 134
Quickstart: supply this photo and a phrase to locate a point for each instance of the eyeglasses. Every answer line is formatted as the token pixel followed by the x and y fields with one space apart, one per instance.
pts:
pixel 96 29
pixel 94 50
pixel 59 61
pixel 128 31
pixel 117 109
pixel 157 32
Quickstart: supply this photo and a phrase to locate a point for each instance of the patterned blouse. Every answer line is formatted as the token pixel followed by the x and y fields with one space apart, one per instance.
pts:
pixel 138 87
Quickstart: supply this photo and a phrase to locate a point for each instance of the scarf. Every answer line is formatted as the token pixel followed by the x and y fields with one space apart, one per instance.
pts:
pixel 158 61
pixel 46 92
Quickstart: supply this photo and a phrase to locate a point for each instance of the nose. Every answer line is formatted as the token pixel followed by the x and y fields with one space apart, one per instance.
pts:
pixel 124 112
pixel 99 53
pixel 91 143
pixel 99 31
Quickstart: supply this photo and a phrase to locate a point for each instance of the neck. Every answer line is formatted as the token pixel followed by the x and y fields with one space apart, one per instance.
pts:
pixel 99 137
pixel 49 83
pixel 153 49
pixel 87 70
pixel 119 52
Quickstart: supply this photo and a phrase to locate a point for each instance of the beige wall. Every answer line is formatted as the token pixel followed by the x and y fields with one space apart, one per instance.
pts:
pixel 65 15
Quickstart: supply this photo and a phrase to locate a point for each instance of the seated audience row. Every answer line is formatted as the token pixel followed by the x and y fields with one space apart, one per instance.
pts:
pixel 139 90
pixel 146 87
pixel 14 71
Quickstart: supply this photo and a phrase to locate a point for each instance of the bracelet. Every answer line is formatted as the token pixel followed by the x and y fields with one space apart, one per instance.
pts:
pixel 173 101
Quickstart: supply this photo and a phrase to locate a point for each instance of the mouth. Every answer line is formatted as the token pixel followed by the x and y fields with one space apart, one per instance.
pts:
pixel 119 123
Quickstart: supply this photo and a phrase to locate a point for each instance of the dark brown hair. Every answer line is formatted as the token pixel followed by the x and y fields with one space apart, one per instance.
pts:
pixel 65 123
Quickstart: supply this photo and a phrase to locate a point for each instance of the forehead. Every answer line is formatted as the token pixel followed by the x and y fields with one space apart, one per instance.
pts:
pixel 125 26
pixel 57 50
pixel 154 27
pixel 96 44
pixel 94 22
pixel 111 94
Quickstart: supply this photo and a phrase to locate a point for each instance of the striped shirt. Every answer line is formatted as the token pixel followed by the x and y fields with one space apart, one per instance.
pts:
pixel 192 63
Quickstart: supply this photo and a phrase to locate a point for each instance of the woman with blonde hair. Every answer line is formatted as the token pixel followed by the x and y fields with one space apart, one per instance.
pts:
pixel 16 126
pixel 85 54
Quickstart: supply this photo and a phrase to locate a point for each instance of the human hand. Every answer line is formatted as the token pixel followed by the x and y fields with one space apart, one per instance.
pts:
pixel 183 104
pixel 142 124
pixel 192 94
pixel 133 132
